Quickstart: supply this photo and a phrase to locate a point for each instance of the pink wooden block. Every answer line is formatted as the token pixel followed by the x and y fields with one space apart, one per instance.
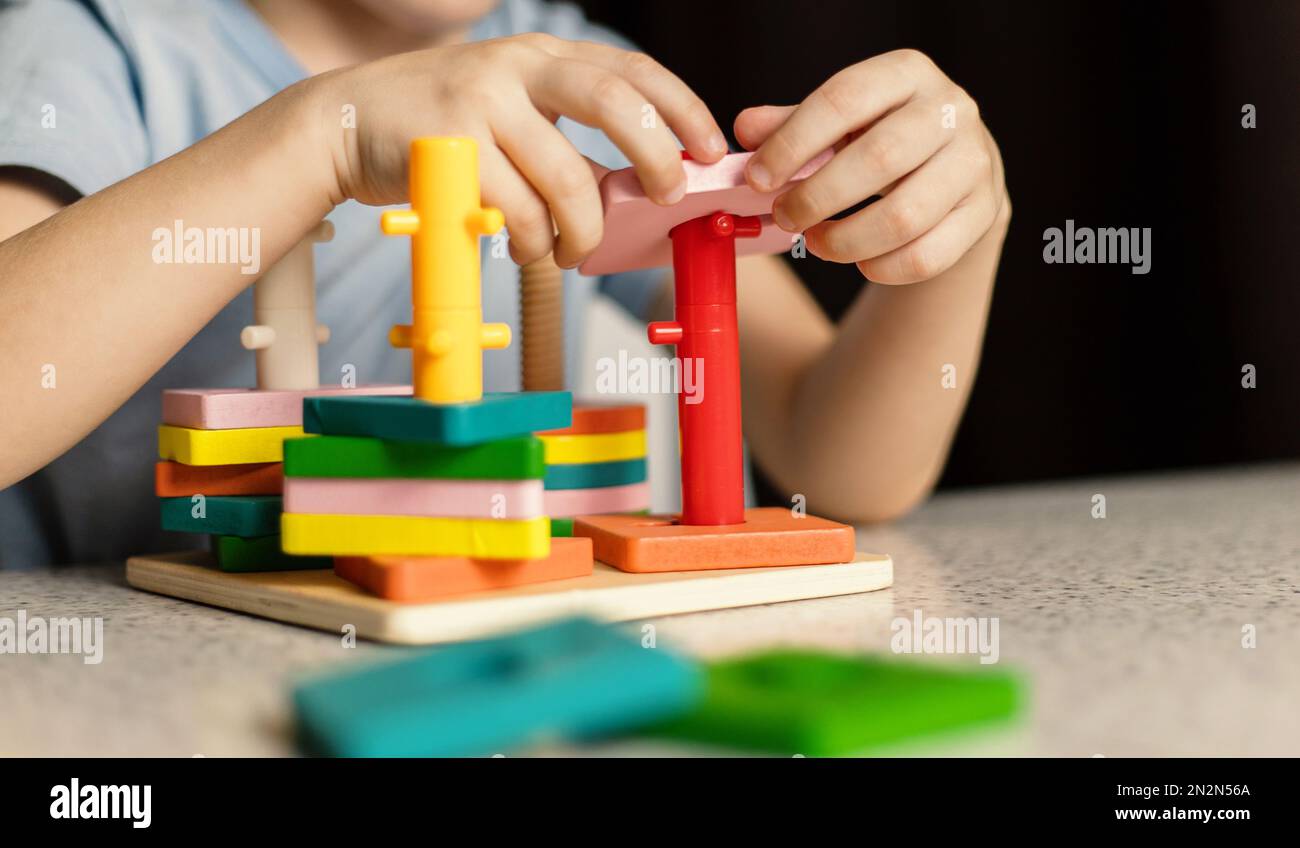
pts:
pixel 636 228
pixel 566 503
pixel 506 499
pixel 229 409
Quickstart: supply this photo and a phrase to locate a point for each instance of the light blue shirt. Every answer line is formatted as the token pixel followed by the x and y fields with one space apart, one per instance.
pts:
pixel 96 90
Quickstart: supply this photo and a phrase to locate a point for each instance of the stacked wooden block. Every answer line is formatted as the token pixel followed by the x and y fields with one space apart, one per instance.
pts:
pixel 596 465
pixel 417 501
pixel 220 469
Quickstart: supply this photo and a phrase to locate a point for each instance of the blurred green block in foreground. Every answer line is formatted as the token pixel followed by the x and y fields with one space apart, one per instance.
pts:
pixel 823 705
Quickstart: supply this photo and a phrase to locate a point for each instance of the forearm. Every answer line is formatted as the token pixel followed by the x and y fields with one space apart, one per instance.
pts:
pixel 82 292
pixel 870 418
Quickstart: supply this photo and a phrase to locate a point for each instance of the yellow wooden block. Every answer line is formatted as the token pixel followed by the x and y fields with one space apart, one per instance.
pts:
pixel 360 535
pixel 224 447
pixel 595 447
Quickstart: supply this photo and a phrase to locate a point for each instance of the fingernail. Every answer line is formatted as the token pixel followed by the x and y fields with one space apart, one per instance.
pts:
pixel 675 195
pixel 718 145
pixel 782 220
pixel 759 176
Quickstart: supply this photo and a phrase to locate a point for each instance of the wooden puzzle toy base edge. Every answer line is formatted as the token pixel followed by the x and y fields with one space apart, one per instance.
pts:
pixel 322 600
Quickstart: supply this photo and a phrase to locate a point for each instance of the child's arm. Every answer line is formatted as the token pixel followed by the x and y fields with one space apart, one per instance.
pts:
pixel 80 289
pixel 859 418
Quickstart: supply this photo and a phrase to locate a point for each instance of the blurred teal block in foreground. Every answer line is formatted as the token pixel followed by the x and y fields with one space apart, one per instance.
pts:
pixel 571 679
pixel 823 705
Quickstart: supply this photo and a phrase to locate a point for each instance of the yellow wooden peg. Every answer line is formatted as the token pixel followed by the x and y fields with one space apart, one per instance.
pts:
pixel 447 335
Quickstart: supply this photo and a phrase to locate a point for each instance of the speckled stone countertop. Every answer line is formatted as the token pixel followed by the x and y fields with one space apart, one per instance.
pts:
pixel 1128 630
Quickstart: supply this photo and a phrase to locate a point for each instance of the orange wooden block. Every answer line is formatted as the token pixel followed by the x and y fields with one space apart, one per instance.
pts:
pixel 418 579
pixel 769 536
pixel 592 418
pixel 175 480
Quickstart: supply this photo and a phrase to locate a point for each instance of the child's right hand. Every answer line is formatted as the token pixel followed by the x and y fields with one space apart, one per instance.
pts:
pixel 507 93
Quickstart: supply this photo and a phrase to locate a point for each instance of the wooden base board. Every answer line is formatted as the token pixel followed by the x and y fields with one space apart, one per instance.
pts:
pixel 322 600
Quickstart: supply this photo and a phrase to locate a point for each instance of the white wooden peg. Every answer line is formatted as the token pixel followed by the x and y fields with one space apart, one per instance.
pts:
pixel 285 334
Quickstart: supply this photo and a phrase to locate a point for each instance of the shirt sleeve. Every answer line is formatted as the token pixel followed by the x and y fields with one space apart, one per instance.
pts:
pixel 69 105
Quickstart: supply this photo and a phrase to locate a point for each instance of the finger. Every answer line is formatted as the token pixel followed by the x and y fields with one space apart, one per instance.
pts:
pixel 909 210
pixel 560 174
pixel 528 220
pixel 756 123
pixel 895 146
pixel 602 99
pixel 679 106
pixel 937 250
pixel 854 97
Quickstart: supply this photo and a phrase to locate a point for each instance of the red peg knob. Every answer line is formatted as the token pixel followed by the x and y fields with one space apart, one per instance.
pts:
pixel 664 332
pixel 747 226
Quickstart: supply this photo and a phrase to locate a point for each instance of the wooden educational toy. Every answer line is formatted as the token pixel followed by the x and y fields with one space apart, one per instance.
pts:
pixel 323 600
pixel 438 509
pixel 449 498
pixel 597 447
pixel 226 445
pixel 226 515
pixel 703 234
pixel 569 502
pixel 447 335
pixel 420 580
pixel 596 465
pixel 223 447
pixel 826 705
pixel 770 537
pixel 259 553
pixel 229 409
pixel 541 326
pixel 518 458
pixel 175 479
pixel 705 332
pixel 496 415
pixel 636 228
pixel 351 535
pixel 286 335
pixel 601 436
pixel 596 474
pixel 568 679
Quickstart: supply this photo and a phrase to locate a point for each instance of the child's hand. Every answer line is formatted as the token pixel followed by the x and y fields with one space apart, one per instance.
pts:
pixel 901 129
pixel 508 93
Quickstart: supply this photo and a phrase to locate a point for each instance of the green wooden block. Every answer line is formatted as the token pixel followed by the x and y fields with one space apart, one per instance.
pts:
pixel 261 553
pixel 223 515
pixel 496 416
pixel 595 475
pixel 820 705
pixel 514 458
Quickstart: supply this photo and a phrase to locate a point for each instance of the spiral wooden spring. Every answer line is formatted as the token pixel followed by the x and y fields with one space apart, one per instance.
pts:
pixel 541 307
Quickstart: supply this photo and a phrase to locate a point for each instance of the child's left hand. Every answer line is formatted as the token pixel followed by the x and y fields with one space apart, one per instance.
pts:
pixel 901 129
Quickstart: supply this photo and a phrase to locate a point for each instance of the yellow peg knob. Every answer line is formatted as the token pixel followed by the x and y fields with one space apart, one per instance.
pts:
pixel 400 222
pixel 494 336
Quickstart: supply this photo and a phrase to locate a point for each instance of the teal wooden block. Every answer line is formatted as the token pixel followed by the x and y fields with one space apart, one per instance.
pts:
pixel 569 679
pixel 595 475
pixel 819 704
pixel 497 416
pixel 261 553
pixel 223 515
pixel 514 458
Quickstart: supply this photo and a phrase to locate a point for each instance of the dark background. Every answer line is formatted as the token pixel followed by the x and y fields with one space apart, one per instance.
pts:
pixel 1115 115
